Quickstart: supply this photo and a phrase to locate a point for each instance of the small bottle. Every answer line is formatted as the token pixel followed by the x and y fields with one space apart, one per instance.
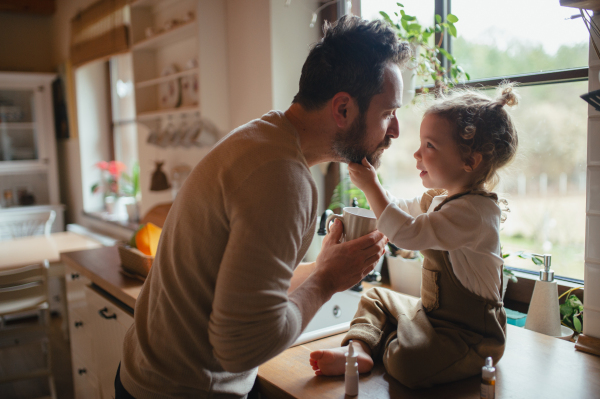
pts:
pixel 488 380
pixel 351 371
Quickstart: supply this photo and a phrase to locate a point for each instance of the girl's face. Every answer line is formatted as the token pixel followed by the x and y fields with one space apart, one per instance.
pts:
pixel 438 157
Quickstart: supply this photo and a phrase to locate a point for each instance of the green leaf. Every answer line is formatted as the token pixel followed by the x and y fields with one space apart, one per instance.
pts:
pixel 447 55
pixel 406 17
pixel 565 310
pixel 454 73
pixel 414 28
pixel 404 24
pixel 400 5
pixel 574 302
pixel 438 29
pixel 438 19
pixel 95 188
pixel 452 18
pixel 467 76
pixel 452 29
pixel 577 324
pixel 386 17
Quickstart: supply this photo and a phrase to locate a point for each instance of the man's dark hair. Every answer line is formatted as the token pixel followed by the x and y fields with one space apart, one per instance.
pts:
pixel 350 58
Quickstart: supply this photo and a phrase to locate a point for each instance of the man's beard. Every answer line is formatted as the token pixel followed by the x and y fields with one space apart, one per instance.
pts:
pixel 350 144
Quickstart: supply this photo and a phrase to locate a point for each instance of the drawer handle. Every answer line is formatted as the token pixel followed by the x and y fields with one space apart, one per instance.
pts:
pixel 78 324
pixel 81 371
pixel 74 276
pixel 102 312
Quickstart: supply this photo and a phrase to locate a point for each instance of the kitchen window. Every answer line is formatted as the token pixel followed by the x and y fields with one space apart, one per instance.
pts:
pixel 538 44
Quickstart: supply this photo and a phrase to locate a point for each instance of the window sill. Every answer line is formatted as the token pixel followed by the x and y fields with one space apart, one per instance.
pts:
pixel 518 295
pixel 101 216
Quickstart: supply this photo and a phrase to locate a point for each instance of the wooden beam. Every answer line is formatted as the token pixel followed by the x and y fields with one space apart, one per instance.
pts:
pixel 43 7
pixel 587 4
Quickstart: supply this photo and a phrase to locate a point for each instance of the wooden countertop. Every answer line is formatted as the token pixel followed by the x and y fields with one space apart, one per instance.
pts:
pixel 534 365
pixel 103 267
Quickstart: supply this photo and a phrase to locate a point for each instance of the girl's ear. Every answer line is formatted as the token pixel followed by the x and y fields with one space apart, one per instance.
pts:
pixel 473 162
pixel 342 109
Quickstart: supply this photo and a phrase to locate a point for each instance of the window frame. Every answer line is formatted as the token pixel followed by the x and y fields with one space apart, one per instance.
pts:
pixel 518 294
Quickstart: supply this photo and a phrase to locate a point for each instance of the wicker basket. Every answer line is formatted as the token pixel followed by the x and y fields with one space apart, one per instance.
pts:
pixel 134 261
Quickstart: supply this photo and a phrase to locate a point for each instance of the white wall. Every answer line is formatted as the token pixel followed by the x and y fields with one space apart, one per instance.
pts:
pixel 591 325
pixel 249 59
pixel 291 40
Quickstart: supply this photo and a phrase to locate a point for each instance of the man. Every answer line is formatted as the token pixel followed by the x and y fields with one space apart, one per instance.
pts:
pixel 224 294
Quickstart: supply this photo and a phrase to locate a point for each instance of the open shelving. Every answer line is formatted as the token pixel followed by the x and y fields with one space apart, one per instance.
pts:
pixel 173 35
pixel 163 79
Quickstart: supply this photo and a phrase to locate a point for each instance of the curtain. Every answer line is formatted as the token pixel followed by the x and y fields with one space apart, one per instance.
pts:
pixel 100 31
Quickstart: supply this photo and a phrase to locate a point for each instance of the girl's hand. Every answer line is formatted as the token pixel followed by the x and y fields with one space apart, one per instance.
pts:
pixel 363 175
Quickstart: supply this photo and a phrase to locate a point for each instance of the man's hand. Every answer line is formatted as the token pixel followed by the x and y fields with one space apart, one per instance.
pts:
pixel 340 266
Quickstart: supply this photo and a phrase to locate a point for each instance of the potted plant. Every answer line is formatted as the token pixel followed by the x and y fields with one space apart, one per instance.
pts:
pixel 425 62
pixel 119 188
pixel 131 188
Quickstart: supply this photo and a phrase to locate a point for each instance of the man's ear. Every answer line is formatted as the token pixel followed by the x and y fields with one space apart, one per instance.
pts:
pixel 473 162
pixel 343 109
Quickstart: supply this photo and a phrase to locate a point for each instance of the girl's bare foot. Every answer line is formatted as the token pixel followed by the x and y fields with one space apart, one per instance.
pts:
pixel 333 361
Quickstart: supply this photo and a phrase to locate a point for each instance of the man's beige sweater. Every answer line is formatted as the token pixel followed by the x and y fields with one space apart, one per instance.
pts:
pixel 214 305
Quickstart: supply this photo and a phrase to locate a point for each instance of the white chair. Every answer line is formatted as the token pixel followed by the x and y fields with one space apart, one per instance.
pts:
pixel 14 225
pixel 24 291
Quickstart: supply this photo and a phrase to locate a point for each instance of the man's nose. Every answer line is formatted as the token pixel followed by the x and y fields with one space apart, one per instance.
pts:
pixel 394 128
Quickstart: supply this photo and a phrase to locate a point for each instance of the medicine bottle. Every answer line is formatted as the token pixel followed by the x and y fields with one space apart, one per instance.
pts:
pixel 488 380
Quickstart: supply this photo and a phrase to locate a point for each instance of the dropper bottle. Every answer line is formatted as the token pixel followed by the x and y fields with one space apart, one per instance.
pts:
pixel 488 380
pixel 351 371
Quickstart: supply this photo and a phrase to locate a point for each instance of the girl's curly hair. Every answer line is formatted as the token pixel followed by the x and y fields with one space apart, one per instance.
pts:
pixel 483 126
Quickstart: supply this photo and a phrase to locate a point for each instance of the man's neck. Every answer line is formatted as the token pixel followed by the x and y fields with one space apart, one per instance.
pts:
pixel 316 130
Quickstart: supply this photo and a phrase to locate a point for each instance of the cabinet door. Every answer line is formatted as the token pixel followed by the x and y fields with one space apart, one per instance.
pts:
pixel 110 323
pixel 19 132
pixel 85 383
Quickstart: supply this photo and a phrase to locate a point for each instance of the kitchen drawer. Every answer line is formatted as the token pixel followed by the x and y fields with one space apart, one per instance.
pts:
pixel 110 322
pixel 81 331
pixel 85 382
pixel 75 285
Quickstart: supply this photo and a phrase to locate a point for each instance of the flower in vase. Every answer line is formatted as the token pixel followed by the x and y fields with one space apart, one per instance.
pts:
pixel 111 174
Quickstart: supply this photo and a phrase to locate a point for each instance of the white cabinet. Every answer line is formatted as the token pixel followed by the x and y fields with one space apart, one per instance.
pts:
pixel 28 165
pixel 110 323
pixel 97 326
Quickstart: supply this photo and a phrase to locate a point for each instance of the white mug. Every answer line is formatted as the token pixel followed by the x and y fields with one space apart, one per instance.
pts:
pixel 357 222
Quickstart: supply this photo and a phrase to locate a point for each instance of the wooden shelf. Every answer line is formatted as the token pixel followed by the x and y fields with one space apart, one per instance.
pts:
pixel 587 4
pixel 167 78
pixel 181 32
pixel 22 167
pixel 17 125
pixel 144 116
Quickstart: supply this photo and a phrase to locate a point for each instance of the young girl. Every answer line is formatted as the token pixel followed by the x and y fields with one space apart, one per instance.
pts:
pixel 459 321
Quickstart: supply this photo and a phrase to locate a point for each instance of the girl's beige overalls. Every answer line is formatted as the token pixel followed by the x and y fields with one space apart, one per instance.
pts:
pixel 443 336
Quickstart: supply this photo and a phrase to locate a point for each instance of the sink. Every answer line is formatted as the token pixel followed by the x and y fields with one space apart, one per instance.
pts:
pixel 333 318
